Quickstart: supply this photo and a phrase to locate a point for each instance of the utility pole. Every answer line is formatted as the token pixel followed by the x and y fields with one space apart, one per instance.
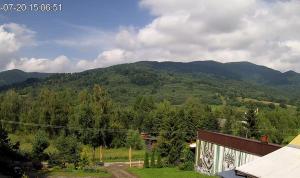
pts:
pixel 101 156
pixel 130 156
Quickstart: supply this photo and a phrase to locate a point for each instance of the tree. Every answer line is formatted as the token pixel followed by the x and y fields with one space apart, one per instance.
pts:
pixel 146 160
pixel 171 138
pixel 9 155
pixel 251 123
pixel 68 150
pixel 159 162
pixel 152 160
pixel 143 107
pixel 40 143
pixel 134 140
pixel 209 122
pixel 228 115
pixel 10 110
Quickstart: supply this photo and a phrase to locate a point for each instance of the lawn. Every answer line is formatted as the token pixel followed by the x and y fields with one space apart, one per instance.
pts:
pixel 166 173
pixel 73 173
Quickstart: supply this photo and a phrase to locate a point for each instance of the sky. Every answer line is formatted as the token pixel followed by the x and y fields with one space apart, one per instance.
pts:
pixel 100 33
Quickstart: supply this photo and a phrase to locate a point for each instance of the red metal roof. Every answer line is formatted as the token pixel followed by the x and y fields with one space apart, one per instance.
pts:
pixel 238 143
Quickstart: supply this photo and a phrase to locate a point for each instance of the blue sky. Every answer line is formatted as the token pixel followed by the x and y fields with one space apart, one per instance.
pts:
pixel 100 33
pixel 77 17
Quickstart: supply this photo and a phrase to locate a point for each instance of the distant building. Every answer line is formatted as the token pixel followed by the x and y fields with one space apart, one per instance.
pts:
pixel 216 152
pixel 150 141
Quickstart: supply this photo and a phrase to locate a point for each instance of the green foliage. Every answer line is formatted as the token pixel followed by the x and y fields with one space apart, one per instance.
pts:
pixel 188 160
pixel 84 161
pixel 68 150
pixel 10 110
pixel 15 76
pixel 170 101
pixel 40 143
pixel 272 106
pixel 171 138
pixel 251 123
pixel 9 154
pixel 134 140
pixel 152 160
pixel 146 160
pixel 159 161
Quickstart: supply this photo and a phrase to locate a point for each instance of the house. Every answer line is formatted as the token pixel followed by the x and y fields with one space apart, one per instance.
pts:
pixel 216 152
pixel 150 141
pixel 284 162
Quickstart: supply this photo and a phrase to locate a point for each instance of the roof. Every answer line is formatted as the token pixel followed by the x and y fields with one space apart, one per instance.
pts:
pixel 229 174
pixel 296 141
pixel 251 146
pixel 284 162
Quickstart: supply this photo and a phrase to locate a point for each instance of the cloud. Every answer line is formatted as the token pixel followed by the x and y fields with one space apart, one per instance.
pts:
pixel 261 31
pixel 106 58
pixel 59 64
pixel 13 37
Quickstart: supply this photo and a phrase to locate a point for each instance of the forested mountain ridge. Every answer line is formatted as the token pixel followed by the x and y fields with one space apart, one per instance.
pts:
pixel 16 76
pixel 210 81
pixel 233 70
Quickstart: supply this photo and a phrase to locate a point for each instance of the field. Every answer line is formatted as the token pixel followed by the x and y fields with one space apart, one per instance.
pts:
pixel 109 155
pixel 114 154
pixel 166 173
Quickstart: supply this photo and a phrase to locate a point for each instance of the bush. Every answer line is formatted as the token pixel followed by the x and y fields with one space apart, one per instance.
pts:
pixel 84 161
pixel 272 106
pixel 40 143
pixel 188 161
pixel 54 160
pixel 283 105
pixel 68 150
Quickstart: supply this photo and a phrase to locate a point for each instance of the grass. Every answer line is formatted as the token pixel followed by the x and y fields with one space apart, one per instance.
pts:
pixel 114 154
pixel 101 173
pixel 262 101
pixel 109 155
pixel 166 173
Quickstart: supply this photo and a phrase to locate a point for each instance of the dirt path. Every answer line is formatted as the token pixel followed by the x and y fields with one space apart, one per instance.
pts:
pixel 118 170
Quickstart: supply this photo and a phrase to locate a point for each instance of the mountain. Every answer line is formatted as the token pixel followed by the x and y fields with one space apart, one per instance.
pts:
pixel 16 76
pixel 245 71
pixel 209 81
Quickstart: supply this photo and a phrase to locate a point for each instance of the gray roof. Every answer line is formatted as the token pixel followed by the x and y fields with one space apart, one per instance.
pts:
pixel 229 174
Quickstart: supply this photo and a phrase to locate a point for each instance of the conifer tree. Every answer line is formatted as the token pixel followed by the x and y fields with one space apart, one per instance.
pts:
pixel 146 160
pixel 152 160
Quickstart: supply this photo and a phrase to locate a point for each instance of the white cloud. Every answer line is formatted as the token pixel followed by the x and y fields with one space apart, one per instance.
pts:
pixel 59 64
pixel 260 31
pixel 107 58
pixel 14 36
pixel 264 32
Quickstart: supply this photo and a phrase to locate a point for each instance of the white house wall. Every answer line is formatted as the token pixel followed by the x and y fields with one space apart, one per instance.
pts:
pixel 212 158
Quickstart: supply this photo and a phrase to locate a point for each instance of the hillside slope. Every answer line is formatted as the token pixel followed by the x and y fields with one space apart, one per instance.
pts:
pixel 16 76
pixel 209 81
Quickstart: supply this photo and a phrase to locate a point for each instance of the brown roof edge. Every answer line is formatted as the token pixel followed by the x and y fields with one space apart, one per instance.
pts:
pixel 238 143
